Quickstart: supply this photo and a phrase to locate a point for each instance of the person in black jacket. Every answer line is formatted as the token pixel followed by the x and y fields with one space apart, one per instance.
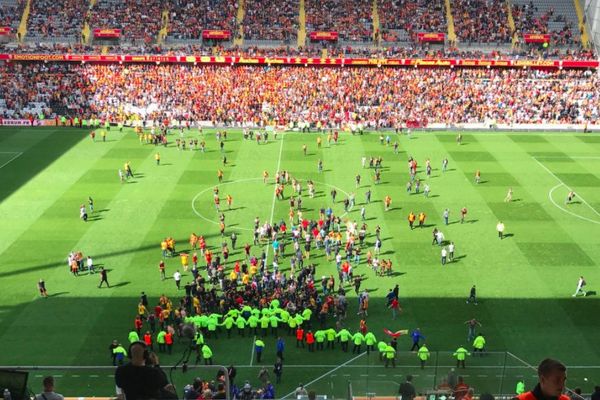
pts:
pixel 407 389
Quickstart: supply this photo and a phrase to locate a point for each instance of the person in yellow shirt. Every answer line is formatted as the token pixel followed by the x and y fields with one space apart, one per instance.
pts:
pixel 157 158
pixel 164 247
pixel 229 201
pixel 319 140
pixel 142 310
pixel 184 261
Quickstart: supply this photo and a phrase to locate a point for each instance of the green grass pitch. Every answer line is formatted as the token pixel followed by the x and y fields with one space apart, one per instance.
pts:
pixel 524 282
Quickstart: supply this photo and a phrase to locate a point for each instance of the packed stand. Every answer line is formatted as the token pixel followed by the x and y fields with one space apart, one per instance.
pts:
pixel 352 20
pixel 335 96
pixel 138 19
pixel 187 19
pixel 412 16
pixel 422 51
pixel 530 19
pixel 51 19
pixel 481 21
pixel 10 14
pixel 271 20
pixel 37 85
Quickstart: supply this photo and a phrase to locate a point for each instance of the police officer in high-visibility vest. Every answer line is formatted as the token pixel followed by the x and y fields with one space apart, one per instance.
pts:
pixel 552 375
pixel 461 353
pixel 424 355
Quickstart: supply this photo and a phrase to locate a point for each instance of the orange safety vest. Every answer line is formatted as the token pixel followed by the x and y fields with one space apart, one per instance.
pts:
pixel 530 396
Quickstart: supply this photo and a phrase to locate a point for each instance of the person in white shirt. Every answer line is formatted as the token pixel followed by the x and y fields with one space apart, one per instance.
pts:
pixel 177 278
pixel 90 265
pixel 580 285
pixel 500 229
pixel 444 255
pixel 451 251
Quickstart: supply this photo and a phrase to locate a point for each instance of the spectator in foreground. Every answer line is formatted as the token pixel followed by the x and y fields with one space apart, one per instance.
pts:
pixel 407 389
pixel 552 376
pixel 49 393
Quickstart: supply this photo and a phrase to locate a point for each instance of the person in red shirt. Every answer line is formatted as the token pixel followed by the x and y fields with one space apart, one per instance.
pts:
pixel 138 324
pixel 169 341
pixel 148 340
pixel 310 341
pixel 299 337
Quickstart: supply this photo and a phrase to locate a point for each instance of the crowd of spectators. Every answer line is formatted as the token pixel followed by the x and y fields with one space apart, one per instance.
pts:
pixel 38 83
pixel 138 19
pixel 481 21
pixel 424 51
pixel 271 20
pixel 413 16
pixel 50 18
pixel 187 18
pixel 10 13
pixel 529 19
pixel 351 19
pixel 379 97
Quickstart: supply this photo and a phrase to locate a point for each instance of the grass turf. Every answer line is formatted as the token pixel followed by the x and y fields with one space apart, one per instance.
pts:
pixel 524 282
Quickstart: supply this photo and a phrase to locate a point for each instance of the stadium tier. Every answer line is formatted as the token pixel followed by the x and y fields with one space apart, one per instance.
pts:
pixel 402 19
pixel 335 97
pixel 331 23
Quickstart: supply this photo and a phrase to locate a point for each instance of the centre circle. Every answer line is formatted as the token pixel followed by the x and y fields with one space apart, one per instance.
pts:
pixel 251 200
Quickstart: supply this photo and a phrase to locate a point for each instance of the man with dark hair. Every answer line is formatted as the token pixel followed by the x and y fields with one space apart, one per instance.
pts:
pixel 552 376
pixel 49 393
pixel 596 394
pixel 407 389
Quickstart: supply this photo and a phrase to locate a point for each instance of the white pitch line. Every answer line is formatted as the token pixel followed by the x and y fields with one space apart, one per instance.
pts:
pixel 79 367
pixel 565 185
pixel 18 154
pixel 326 374
pixel 564 209
pixel 274 197
pixel 252 351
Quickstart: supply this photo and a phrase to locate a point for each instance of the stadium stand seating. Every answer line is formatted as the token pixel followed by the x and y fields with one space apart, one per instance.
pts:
pixel 481 21
pixel 188 18
pixel 139 20
pixel 379 97
pixel 58 20
pixel 271 20
pixel 351 19
pixel 555 17
pixel 401 19
pixel 10 13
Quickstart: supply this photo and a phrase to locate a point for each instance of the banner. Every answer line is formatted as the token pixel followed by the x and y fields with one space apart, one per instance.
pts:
pixel 216 34
pixel 107 33
pixel 431 36
pixel 4 30
pixel 536 38
pixel 322 35
pixel 305 61
pixel 18 122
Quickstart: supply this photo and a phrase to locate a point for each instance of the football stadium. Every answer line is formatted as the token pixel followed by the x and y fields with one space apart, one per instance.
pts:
pixel 300 199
